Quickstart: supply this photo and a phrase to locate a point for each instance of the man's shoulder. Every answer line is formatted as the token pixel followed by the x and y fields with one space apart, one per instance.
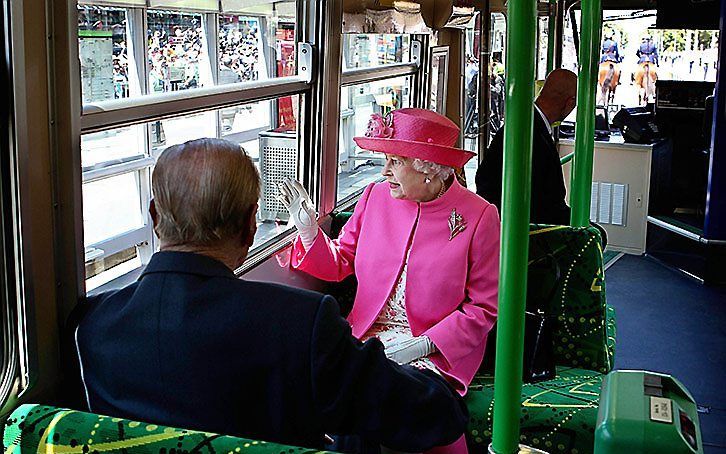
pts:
pixel 541 134
pixel 221 290
pixel 123 293
pixel 277 304
pixel 496 146
pixel 281 291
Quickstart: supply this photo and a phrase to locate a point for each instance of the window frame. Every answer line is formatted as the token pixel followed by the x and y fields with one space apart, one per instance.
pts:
pixel 357 76
pixel 9 329
pixel 347 128
pixel 317 79
pixel 142 110
pixel 434 53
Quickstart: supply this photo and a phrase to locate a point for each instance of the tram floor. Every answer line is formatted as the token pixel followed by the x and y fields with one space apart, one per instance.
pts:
pixel 672 324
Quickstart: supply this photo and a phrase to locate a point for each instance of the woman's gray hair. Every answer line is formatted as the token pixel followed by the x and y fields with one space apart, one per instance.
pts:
pixel 432 169
pixel 205 191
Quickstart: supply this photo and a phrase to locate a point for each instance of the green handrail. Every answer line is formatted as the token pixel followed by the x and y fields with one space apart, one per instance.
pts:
pixel 581 175
pixel 519 114
pixel 551 42
pixel 567 158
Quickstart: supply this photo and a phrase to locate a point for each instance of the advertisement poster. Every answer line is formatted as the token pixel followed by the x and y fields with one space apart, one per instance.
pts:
pixel 286 108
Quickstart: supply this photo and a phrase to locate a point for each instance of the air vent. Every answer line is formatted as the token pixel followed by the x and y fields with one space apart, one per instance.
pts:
pixel 278 160
pixel 609 203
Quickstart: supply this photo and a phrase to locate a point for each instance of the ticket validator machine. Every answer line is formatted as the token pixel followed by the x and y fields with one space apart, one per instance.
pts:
pixel 646 412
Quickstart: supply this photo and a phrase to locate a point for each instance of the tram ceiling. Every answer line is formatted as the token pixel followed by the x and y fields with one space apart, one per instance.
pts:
pixel 407 16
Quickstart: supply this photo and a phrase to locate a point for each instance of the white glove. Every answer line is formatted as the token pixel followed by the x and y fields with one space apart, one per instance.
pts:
pixel 409 350
pixel 302 212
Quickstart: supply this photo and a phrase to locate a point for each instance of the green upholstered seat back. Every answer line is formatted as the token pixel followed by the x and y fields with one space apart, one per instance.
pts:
pixel 577 305
pixel 39 428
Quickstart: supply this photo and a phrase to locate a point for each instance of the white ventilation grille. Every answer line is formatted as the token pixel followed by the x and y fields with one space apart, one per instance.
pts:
pixel 609 203
pixel 278 160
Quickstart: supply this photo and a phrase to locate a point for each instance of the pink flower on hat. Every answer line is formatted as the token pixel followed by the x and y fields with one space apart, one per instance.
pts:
pixel 380 127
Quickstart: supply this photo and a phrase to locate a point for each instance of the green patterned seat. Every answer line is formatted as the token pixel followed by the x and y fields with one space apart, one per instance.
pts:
pixel 559 415
pixel 39 428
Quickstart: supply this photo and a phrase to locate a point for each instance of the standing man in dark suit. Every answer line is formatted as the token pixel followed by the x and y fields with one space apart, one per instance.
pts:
pixel 554 104
pixel 191 345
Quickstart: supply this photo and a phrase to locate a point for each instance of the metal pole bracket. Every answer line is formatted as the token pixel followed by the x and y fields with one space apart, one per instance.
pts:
pixel 305 61
pixel 416 53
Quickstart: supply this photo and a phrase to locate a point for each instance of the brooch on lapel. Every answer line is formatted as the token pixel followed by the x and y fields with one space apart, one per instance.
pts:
pixel 457 224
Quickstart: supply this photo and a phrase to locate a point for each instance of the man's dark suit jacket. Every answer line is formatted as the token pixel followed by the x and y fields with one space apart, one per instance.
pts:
pixel 548 186
pixel 190 345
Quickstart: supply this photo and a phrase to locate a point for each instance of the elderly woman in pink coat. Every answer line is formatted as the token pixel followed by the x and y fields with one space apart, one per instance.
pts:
pixel 425 250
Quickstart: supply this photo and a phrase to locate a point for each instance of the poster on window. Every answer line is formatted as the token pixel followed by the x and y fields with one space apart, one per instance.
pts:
pixel 286 108
pixel 96 55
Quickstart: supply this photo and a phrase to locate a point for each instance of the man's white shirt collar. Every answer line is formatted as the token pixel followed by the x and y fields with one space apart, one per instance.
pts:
pixel 541 114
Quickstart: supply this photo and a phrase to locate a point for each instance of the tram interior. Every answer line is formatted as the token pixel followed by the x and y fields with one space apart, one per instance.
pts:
pixel 155 73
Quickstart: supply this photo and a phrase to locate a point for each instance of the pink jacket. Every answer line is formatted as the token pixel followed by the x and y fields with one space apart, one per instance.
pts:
pixel 451 285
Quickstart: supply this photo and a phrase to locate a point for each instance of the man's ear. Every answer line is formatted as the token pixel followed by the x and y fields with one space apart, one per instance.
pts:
pixel 249 237
pixel 154 214
pixel 570 104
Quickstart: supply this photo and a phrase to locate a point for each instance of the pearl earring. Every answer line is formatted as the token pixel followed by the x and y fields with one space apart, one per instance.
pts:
pixel 427 180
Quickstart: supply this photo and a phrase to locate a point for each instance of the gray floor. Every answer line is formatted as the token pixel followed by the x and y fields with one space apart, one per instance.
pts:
pixel 669 323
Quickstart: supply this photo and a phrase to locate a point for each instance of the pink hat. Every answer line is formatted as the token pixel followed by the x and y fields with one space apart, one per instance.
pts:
pixel 415 133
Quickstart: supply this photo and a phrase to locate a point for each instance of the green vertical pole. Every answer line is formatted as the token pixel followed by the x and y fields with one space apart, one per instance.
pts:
pixel 551 41
pixel 581 176
pixel 520 73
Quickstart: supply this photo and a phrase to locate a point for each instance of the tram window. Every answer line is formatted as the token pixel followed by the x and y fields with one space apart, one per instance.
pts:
pixel 116 146
pixel 235 121
pixel 173 131
pixel 356 167
pixel 177 51
pixel 103 52
pixel 248 42
pixel 255 48
pixel 118 237
pixel 370 50
pixel 569 52
pixel 496 71
pixel 542 42
pixel 112 206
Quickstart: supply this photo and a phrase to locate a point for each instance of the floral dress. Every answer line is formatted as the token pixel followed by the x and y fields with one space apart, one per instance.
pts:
pixel 392 325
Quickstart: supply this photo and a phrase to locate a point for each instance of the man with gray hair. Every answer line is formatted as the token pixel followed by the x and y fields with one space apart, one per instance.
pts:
pixel 191 345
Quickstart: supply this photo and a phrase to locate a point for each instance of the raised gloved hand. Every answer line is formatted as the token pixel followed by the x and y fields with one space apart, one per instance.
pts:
pixel 409 350
pixel 297 201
